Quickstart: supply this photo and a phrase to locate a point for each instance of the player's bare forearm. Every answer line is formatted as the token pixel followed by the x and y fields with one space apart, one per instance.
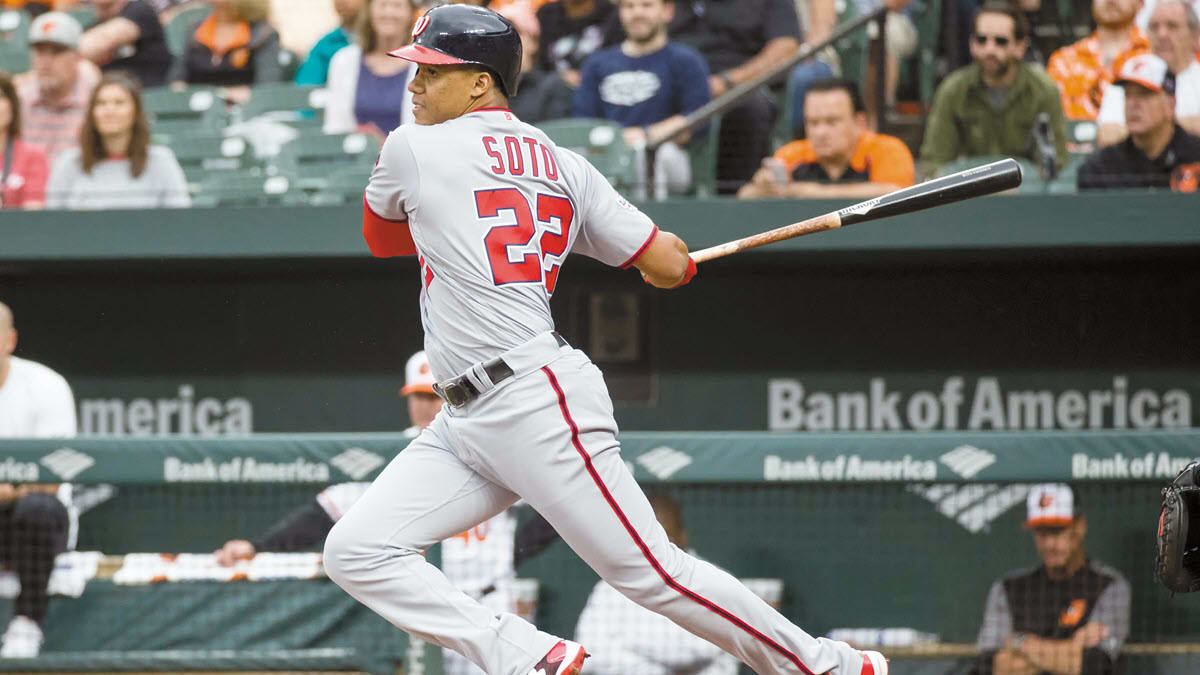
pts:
pixel 665 262
pixel 1060 657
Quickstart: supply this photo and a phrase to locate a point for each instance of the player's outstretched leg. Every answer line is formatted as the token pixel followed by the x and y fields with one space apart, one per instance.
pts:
pixel 570 470
pixel 425 495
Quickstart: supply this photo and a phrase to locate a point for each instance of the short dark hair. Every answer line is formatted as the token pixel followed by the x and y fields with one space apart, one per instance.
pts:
pixel 8 91
pixel 838 84
pixel 1020 23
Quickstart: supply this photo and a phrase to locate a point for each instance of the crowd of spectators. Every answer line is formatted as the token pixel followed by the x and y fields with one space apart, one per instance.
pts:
pixel 643 64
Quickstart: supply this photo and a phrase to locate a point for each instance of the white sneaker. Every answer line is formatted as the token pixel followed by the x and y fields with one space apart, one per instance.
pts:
pixel 22 640
pixel 874 664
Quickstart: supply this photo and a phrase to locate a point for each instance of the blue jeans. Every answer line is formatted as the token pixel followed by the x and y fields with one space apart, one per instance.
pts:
pixel 803 75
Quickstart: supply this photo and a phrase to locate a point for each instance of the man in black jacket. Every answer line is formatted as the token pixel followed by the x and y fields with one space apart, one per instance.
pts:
pixel 1158 153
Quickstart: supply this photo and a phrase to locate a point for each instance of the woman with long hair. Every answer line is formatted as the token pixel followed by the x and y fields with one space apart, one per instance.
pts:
pixel 115 166
pixel 368 90
pixel 23 172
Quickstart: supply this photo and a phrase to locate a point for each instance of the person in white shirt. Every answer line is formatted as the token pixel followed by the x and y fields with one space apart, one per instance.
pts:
pixel 35 401
pixel 1174 32
pixel 625 638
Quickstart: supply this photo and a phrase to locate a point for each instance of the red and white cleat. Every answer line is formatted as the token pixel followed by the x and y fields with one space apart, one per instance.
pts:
pixel 565 658
pixel 874 664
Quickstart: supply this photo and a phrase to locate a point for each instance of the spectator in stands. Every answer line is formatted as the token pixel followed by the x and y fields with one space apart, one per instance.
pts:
pixel 990 107
pixel 648 84
pixel 625 638
pixel 130 39
pixel 315 69
pixel 741 39
pixel 542 94
pixel 1158 152
pixel 1083 69
pixel 55 91
pixel 368 89
pixel 233 47
pixel 1143 16
pixel 839 158
pixel 115 167
pixel 22 166
pixel 1068 615
pixel 572 30
pixel 35 526
pixel 817 17
pixel 1174 36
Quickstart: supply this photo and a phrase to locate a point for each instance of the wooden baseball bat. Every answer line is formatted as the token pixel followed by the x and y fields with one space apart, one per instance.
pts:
pixel 983 180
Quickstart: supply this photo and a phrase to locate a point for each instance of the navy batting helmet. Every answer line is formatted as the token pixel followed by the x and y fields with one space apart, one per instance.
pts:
pixel 457 34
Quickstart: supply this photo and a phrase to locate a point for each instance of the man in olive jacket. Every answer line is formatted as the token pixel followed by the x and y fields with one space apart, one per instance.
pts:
pixel 991 106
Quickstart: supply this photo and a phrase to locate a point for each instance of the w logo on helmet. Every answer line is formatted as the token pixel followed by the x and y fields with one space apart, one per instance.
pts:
pixel 422 24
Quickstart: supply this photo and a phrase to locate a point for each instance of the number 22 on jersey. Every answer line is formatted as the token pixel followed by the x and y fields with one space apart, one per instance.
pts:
pixel 546 210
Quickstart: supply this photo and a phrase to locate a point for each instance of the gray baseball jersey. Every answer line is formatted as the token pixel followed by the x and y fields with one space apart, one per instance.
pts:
pixel 493 227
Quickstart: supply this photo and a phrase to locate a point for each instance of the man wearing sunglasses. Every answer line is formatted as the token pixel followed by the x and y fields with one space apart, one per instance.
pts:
pixel 989 107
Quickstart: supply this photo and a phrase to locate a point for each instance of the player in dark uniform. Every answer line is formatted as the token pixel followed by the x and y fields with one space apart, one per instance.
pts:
pixel 1068 615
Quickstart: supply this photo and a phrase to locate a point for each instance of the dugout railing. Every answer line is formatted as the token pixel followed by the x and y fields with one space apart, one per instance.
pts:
pixel 866 532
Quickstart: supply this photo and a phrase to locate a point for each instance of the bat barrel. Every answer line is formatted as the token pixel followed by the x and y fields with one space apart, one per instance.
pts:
pixel 982 180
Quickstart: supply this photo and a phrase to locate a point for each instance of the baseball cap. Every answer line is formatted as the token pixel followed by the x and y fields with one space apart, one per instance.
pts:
pixel 57 27
pixel 1148 71
pixel 1050 505
pixel 417 375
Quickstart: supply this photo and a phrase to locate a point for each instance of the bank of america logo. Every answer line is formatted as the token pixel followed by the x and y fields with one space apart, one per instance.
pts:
pixel 976 506
pixel 664 462
pixel 968 460
pixel 67 463
pixel 357 462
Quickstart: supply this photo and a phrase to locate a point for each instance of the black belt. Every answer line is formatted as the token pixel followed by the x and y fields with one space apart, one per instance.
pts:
pixel 459 391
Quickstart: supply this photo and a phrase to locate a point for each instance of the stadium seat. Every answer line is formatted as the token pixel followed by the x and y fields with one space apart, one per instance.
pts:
pixel 193 110
pixel 84 14
pixel 1081 137
pixel 344 186
pixel 289 63
pixel 313 159
pixel 203 154
pixel 284 102
pixel 598 140
pixel 1031 181
pixel 177 29
pixel 14 41
pixel 236 188
pixel 703 154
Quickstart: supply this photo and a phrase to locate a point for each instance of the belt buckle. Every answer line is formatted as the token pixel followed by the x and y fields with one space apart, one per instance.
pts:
pixel 454 393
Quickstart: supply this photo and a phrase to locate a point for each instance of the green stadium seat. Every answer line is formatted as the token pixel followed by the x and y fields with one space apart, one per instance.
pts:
pixel 1065 183
pixel 202 154
pixel 193 110
pixel 237 188
pixel 85 15
pixel 177 29
pixel 601 142
pixel 1031 181
pixel 14 41
pixel 703 154
pixel 344 186
pixel 1081 137
pixel 313 159
pixel 285 102
pixel 289 63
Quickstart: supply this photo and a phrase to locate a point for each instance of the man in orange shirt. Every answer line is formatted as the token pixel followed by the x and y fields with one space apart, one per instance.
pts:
pixel 1083 69
pixel 839 158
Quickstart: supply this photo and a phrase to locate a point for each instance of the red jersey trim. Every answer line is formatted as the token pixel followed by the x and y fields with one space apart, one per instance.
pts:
pixel 634 258
pixel 385 237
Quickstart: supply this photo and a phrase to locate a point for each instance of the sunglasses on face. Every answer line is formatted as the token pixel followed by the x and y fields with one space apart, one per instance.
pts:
pixel 982 40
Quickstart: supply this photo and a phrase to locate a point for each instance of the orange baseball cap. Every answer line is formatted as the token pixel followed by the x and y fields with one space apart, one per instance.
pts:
pixel 1050 505
pixel 1148 71
pixel 417 375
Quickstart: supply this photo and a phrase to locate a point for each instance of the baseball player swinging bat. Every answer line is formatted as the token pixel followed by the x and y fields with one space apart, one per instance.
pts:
pixel 987 179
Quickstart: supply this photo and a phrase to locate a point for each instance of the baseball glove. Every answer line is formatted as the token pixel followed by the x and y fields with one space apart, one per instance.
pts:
pixel 1178 563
